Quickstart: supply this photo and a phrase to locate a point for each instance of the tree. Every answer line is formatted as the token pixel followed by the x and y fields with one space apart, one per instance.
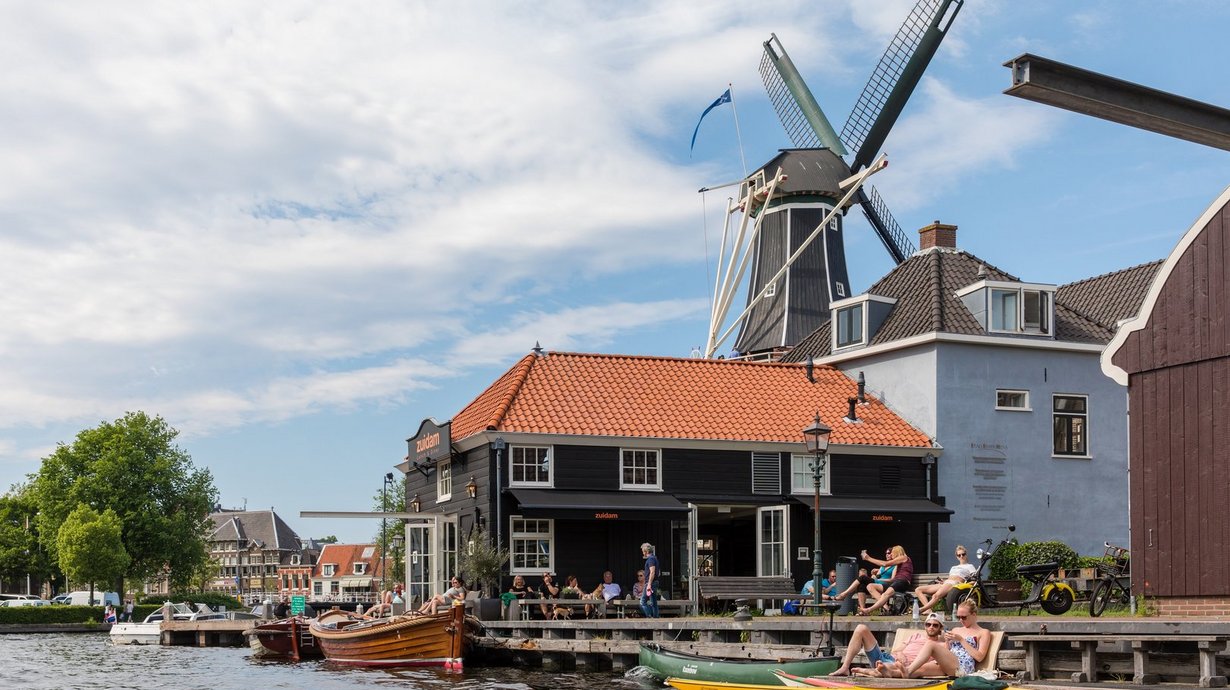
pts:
pixel 91 547
pixel 394 502
pixel 133 467
pixel 329 539
pixel 481 560
pixel 20 555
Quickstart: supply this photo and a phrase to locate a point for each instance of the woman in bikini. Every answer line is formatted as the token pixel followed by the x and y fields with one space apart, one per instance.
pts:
pixel 961 649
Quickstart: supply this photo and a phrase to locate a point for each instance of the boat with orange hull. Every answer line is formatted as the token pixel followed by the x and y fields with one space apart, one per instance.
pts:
pixel 291 638
pixel 409 640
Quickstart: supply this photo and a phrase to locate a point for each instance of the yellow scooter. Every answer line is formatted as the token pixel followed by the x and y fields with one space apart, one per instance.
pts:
pixel 1053 595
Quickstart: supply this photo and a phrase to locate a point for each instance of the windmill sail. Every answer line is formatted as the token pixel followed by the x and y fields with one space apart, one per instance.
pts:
pixel 895 77
pixel 797 109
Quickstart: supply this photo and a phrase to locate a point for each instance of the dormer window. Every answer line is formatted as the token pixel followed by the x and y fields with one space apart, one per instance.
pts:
pixel 360 568
pixel 328 570
pixel 295 559
pixel 1003 307
pixel 856 320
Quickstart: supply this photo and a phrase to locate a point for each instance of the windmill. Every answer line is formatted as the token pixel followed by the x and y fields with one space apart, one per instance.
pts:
pixel 800 195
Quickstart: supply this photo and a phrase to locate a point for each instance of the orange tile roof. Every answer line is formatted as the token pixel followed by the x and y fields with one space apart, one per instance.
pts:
pixel 344 556
pixel 663 397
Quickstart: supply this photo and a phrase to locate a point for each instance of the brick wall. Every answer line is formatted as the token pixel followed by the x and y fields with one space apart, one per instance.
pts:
pixel 1191 606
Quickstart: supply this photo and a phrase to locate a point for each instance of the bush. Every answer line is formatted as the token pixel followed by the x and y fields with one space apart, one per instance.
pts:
pixel 1046 552
pixel 34 615
pixel 1004 562
pixel 212 599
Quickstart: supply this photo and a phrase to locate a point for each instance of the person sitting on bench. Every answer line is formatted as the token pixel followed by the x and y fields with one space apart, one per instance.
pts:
pixel 930 595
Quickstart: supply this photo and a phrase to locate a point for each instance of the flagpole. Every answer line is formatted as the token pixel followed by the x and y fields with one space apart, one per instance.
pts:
pixel 738 134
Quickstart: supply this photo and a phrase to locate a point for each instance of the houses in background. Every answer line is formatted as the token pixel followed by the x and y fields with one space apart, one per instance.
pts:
pixel 260 557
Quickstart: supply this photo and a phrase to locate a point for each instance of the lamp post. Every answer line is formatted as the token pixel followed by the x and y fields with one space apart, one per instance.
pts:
pixel 384 529
pixel 816 436
pixel 398 575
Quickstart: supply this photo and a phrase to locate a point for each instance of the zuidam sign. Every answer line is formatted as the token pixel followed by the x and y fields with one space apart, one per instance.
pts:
pixel 432 441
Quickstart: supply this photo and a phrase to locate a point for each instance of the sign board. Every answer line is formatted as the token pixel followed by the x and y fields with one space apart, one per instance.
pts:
pixel 432 441
pixel 297 604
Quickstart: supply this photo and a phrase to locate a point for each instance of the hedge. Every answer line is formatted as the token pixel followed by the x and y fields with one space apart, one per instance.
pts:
pixel 212 599
pixel 1011 555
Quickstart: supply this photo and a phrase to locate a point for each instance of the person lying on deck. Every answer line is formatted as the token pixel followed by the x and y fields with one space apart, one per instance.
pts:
pixel 906 649
pixel 455 593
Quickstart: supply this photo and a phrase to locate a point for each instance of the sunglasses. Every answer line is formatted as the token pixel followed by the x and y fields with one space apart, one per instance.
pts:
pixel 961 618
pixel 933 625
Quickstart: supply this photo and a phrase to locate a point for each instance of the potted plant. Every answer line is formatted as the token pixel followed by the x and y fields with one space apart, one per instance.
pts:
pixel 570 593
pixel 482 561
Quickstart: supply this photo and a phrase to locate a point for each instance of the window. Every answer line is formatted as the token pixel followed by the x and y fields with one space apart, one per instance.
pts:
pixel 850 326
pixel 640 469
pixel 801 479
pixel 770 289
pixel 444 480
pixel 295 559
pixel 530 466
pixel 531 546
pixel 1071 413
pixel 328 569
pixel 1012 400
pixel 360 568
pixel 316 589
pixel 1018 310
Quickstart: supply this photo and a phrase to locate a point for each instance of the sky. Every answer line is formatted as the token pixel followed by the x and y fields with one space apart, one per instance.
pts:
pixel 296 229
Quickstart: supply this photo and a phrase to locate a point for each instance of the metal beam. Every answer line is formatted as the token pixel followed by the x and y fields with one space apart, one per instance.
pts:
pixel 356 514
pixel 1072 88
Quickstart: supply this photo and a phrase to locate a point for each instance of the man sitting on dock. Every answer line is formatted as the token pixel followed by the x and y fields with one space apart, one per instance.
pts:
pixel 904 650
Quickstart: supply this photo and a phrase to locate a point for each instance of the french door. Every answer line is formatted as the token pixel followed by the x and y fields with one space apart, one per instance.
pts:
pixel 772 541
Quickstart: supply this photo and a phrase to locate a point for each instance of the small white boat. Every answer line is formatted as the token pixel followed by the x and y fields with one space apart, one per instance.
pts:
pixel 149 631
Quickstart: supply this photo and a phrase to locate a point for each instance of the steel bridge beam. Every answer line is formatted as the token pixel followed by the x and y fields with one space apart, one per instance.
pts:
pixel 1072 88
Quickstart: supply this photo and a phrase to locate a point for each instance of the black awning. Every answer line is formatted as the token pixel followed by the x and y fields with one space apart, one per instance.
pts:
pixel 598 505
pixel 877 509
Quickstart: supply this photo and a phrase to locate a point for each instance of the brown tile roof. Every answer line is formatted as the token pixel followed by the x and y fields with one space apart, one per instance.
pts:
pixel 925 286
pixel 566 393
pixel 1110 298
pixel 264 527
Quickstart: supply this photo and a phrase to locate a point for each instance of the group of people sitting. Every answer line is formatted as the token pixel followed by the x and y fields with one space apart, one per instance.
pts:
pixel 895 573
pixel 933 652
pixel 549 588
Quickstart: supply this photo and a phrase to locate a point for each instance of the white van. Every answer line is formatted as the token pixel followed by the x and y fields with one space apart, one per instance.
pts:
pixel 82 598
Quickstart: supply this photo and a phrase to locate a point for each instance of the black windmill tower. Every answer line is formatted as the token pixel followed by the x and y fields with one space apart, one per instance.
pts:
pixel 797 268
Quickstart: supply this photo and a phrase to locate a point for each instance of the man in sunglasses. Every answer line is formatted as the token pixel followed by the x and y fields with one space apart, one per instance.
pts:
pixel 905 650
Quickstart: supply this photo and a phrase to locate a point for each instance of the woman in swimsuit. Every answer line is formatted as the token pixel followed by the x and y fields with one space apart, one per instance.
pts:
pixel 961 649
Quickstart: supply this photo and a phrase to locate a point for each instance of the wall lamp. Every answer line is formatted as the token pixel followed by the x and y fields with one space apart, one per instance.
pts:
pixel 415 504
pixel 472 488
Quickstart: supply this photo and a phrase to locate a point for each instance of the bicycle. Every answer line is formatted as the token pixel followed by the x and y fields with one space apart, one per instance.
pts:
pixel 1114 583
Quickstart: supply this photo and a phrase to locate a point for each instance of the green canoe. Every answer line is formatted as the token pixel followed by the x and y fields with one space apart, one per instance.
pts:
pixel 670 663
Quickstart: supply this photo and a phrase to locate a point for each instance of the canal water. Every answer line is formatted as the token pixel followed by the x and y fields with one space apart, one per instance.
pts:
pixel 89 660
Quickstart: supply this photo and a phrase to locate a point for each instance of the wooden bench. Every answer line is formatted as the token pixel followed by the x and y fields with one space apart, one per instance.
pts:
pixel 1206 646
pixel 575 606
pixel 735 588
pixel 666 607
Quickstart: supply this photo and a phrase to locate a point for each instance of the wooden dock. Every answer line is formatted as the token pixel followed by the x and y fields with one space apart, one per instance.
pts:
pixel 224 633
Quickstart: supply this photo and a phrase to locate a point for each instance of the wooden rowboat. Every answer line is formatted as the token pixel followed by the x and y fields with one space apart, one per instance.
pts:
pixel 291 638
pixel 410 640
pixel 670 663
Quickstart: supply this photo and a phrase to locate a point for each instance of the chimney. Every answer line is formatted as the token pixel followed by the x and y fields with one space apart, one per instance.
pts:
pixel 937 234
pixel 862 389
pixel 852 414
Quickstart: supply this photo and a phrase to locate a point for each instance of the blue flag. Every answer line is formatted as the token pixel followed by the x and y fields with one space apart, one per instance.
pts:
pixel 724 98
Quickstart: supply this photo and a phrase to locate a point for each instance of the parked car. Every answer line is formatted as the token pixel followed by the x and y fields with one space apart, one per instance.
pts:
pixel 13 603
pixel 6 597
pixel 61 599
pixel 82 598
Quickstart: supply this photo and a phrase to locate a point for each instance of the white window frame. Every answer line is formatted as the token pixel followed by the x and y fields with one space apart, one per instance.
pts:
pixel 633 454
pixel 770 289
pixel 318 588
pixel 359 568
pixel 781 516
pixel 518 530
pixel 862 325
pixel 295 559
pixel 444 480
pixel 800 474
pixel 1011 408
pixel 548 457
pixel 1056 414
pixel 328 570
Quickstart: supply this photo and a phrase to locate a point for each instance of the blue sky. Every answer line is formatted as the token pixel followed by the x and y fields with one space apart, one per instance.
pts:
pixel 296 229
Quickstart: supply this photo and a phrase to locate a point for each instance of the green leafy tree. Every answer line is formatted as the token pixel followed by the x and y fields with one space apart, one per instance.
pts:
pixel 91 547
pixel 132 467
pixel 482 561
pixel 329 539
pixel 394 502
pixel 20 553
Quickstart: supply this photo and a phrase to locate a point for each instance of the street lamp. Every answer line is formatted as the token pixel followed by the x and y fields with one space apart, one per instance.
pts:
pixel 816 437
pixel 384 528
pixel 398 540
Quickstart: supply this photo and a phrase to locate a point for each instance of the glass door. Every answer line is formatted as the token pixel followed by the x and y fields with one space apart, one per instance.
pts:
pixel 448 551
pixel 420 557
pixel 772 541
